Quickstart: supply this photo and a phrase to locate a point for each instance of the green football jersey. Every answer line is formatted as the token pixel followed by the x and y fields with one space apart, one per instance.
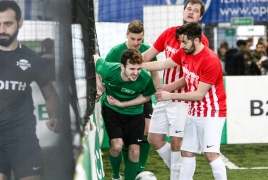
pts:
pixel 114 54
pixel 124 90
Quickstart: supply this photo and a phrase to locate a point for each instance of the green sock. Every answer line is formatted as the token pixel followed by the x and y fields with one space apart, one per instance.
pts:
pixel 131 170
pixel 115 163
pixel 144 153
pixel 125 154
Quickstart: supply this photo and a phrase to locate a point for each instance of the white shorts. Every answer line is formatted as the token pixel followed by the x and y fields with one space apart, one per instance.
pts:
pixel 169 118
pixel 203 134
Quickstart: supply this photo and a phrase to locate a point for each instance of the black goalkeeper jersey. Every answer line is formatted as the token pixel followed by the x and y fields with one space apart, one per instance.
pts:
pixel 18 69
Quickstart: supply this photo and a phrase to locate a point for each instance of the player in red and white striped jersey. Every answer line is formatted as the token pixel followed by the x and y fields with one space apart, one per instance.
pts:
pixel 202 75
pixel 169 117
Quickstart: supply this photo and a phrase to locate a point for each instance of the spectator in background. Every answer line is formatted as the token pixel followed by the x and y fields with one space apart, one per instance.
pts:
pixel 250 42
pixel 234 59
pixel 224 46
pixel 263 41
pixel 259 52
pixel 47 54
pixel 252 68
pixel 47 49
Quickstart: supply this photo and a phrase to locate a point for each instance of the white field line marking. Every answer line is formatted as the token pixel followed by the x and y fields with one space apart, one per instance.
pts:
pixel 231 165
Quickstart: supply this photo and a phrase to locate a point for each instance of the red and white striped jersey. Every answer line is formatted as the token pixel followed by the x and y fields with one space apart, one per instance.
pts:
pixel 167 42
pixel 204 67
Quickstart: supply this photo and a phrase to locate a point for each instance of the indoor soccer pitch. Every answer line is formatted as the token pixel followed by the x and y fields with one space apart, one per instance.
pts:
pixel 243 162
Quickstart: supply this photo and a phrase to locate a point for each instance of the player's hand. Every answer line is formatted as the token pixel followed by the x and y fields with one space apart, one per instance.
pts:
pixel 98 95
pixel 54 125
pixel 114 102
pixel 162 95
pixel 166 87
pixel 101 88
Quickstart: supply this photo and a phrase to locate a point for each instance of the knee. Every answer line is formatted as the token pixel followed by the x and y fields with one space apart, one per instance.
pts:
pixel 210 156
pixel 115 149
pixel 134 155
pixel 150 139
pixel 175 143
pixel 157 141
pixel 187 154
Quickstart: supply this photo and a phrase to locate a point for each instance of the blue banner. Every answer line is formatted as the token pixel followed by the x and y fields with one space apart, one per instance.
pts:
pixel 217 11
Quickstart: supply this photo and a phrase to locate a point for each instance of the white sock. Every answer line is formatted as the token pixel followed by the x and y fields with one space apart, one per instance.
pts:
pixel 175 162
pixel 188 168
pixel 165 153
pixel 218 169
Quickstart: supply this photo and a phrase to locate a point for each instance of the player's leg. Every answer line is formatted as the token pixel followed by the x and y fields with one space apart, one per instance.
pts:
pixel 114 128
pixel 158 129
pixel 190 146
pixel 134 129
pixel 211 147
pixel 177 113
pixel 4 164
pixel 115 156
pixel 175 157
pixel 132 164
pixel 145 147
pixel 124 153
pixel 24 154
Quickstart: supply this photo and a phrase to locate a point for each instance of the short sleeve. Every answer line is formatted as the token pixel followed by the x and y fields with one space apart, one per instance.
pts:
pixel 177 56
pixel 150 89
pixel 210 71
pixel 159 43
pixel 41 77
pixel 101 67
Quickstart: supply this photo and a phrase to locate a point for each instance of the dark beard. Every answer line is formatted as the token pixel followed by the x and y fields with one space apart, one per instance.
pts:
pixel 191 50
pixel 7 42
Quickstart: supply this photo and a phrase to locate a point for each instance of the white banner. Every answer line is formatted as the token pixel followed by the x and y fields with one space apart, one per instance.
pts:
pixel 247 109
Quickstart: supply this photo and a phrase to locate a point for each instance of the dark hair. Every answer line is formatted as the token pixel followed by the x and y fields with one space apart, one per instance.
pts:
pixel 133 55
pixel 192 30
pixel 202 10
pixel 250 39
pixel 5 5
pixel 224 44
pixel 241 42
pixel 260 43
pixel 261 40
pixel 48 44
pixel 135 26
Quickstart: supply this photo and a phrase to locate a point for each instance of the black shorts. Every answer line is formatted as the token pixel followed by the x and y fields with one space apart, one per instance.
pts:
pixel 128 127
pixel 148 109
pixel 20 151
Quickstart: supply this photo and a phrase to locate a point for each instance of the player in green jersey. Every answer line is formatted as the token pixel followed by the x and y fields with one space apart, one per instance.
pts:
pixel 134 35
pixel 128 87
